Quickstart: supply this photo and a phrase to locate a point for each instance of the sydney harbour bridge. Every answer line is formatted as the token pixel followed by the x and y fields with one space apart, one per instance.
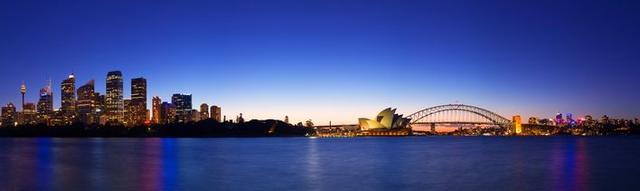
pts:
pixel 458 114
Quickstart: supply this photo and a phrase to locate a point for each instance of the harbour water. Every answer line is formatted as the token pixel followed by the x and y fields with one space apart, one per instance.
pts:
pixel 376 163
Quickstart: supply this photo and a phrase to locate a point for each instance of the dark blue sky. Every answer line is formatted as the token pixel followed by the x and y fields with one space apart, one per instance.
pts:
pixel 336 60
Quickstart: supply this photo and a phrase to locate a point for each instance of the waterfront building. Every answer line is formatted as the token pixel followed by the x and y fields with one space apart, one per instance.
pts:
pixel 386 119
pixel 138 101
pixel 570 121
pixel 204 111
pixel 28 115
pixel 517 124
pixel 183 105
pixel 533 120
pixel 114 103
pixel 87 103
pixel 156 104
pixel 68 98
pixel 216 113
pixel 605 119
pixel 286 120
pixel 167 113
pixel 195 116
pixel 45 104
pixel 8 115
pixel 559 121
pixel 128 112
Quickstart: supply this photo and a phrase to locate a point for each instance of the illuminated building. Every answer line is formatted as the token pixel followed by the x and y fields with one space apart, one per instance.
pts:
pixel 138 101
pixel 386 119
pixel 128 112
pixel 9 115
pixel 114 99
pixel 45 104
pixel 167 113
pixel 68 97
pixel 559 120
pixel 570 121
pixel 517 124
pixel 204 111
pixel 87 103
pixel 183 105
pixel 533 120
pixel 28 115
pixel 195 115
pixel 156 104
pixel 216 113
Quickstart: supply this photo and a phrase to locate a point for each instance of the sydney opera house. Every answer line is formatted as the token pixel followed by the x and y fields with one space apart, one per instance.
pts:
pixel 386 123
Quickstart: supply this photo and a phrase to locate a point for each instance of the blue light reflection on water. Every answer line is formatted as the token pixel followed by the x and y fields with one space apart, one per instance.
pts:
pixel 438 163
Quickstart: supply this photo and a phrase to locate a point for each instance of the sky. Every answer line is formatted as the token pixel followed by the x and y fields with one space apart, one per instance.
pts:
pixel 339 60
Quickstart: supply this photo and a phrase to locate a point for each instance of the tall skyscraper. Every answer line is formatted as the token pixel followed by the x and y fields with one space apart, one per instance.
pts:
pixel 128 113
pixel 45 104
pixel 204 111
pixel 216 113
pixel 87 103
pixel 68 97
pixel 9 115
pixel 183 105
pixel 138 101
pixel 156 106
pixel 114 99
pixel 167 113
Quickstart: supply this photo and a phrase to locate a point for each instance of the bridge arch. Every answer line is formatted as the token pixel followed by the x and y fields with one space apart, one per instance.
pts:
pixel 458 113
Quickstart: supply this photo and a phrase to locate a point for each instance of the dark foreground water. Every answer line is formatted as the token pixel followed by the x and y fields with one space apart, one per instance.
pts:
pixel 410 163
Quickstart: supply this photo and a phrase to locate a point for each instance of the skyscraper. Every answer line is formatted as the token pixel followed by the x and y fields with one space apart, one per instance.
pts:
pixel 45 104
pixel 28 115
pixel 128 113
pixel 113 100
pixel 138 101
pixel 216 113
pixel 204 111
pixel 167 113
pixel 87 103
pixel 68 97
pixel 156 106
pixel 183 105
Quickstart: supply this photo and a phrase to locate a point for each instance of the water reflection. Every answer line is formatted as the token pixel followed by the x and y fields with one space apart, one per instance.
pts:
pixel 559 163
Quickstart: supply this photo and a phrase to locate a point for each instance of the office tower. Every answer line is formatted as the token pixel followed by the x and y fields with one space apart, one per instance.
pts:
pixel 204 111
pixel 28 114
pixel 167 113
pixel 194 115
pixel 138 101
pixel 87 103
pixel 216 113
pixel 68 97
pixel 156 106
pixel 286 119
pixel 9 115
pixel 559 120
pixel 23 90
pixel 183 105
pixel 128 112
pixel 113 100
pixel 240 119
pixel 533 120
pixel 45 104
pixel 517 124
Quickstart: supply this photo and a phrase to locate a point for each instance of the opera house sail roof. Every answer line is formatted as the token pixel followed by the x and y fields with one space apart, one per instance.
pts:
pixel 386 119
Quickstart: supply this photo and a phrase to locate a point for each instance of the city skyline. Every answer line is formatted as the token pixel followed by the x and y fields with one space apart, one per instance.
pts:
pixel 330 64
